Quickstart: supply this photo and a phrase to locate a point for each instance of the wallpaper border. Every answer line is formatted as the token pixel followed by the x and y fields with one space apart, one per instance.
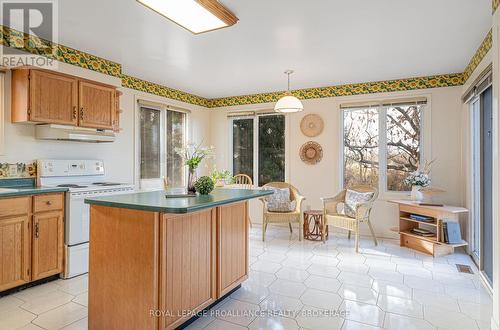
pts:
pixel 481 52
pixel 13 38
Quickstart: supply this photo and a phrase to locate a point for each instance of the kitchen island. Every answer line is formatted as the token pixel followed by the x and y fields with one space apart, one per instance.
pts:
pixel 155 261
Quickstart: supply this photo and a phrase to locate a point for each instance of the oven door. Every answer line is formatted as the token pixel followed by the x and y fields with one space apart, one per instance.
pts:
pixel 77 219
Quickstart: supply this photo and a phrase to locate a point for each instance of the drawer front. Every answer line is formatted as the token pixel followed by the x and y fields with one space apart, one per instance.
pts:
pixel 48 202
pixel 14 206
pixel 417 244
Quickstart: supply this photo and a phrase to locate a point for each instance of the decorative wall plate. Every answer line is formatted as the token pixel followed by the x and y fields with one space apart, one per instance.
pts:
pixel 311 125
pixel 311 153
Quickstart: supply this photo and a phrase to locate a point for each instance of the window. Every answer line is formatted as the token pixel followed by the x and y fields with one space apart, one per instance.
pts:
pixel 160 132
pixel 382 144
pixel 258 147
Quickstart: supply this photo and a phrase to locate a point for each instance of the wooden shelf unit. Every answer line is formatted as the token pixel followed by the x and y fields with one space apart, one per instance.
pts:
pixel 433 245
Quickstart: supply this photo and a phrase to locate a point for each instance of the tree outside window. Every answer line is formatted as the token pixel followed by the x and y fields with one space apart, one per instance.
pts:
pixel 382 145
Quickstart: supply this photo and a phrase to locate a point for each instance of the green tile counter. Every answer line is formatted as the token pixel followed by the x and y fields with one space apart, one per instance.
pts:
pixel 24 186
pixel 157 202
pixel 155 262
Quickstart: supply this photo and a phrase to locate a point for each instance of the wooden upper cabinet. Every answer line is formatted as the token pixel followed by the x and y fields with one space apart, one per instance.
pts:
pixel 41 96
pixel 97 105
pixel 53 98
pixel 48 244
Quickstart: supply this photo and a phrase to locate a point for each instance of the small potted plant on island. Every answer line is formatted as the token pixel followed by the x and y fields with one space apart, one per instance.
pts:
pixel 204 185
pixel 419 179
pixel 192 155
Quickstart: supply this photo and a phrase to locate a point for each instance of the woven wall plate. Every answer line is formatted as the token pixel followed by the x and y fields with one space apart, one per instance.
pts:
pixel 311 153
pixel 311 125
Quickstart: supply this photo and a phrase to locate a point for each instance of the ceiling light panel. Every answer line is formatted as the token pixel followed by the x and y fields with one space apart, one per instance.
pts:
pixel 194 15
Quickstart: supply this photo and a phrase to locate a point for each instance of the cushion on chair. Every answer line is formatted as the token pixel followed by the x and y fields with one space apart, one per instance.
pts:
pixel 353 199
pixel 280 200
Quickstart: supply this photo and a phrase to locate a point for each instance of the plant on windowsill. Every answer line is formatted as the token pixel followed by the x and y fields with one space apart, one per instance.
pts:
pixel 419 179
pixel 192 155
pixel 221 177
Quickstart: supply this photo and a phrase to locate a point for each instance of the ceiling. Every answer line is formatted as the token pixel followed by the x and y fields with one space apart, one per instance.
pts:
pixel 326 42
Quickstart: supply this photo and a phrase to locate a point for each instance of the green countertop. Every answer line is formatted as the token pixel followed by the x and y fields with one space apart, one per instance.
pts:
pixel 24 186
pixel 156 201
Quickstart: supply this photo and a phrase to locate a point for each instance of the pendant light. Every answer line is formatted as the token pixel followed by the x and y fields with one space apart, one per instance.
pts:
pixel 288 103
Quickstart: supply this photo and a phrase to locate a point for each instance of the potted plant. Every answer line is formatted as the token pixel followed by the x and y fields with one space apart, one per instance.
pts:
pixel 204 185
pixel 192 155
pixel 221 177
pixel 419 179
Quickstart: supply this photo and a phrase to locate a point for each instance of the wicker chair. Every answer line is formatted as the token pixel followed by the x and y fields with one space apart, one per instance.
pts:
pixel 243 181
pixel 333 218
pixel 283 217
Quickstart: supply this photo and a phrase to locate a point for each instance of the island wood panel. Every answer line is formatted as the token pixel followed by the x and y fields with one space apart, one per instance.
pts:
pixel 187 271
pixel 48 244
pixel 232 237
pixel 15 253
pixel 123 269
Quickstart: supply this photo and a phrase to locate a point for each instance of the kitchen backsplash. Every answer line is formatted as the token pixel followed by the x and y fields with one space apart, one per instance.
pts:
pixel 17 170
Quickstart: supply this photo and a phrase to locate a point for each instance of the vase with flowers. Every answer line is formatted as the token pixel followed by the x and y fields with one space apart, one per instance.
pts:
pixel 192 155
pixel 419 179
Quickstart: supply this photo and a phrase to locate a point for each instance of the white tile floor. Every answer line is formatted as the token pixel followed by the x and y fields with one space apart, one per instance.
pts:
pixel 304 285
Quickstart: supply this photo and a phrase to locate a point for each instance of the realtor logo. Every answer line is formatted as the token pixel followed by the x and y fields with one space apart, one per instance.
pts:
pixel 29 33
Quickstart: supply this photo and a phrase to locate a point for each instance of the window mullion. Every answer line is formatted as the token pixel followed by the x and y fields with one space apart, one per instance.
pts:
pixel 382 148
pixel 256 150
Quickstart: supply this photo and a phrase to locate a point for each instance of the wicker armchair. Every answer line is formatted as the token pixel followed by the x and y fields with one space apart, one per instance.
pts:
pixel 333 218
pixel 279 217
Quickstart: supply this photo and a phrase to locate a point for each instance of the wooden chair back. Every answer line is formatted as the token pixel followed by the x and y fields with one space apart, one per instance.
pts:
pixel 243 180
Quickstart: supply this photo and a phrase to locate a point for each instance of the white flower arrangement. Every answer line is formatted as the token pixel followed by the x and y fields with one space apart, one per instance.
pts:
pixel 420 177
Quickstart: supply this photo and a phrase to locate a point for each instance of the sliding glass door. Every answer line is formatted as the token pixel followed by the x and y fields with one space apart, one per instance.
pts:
pixel 482 182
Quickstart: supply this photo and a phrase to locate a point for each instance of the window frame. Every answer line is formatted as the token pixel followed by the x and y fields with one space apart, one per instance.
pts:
pixel 157 183
pixel 255 117
pixel 425 142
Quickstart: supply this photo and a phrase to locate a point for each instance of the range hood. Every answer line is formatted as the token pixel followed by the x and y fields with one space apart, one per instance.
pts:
pixel 72 133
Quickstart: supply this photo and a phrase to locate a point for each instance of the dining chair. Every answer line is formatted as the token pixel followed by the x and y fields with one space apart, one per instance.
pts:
pixel 361 212
pixel 283 217
pixel 243 181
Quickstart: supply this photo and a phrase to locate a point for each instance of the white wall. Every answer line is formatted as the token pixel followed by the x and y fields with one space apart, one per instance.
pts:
pixel 21 145
pixel 324 179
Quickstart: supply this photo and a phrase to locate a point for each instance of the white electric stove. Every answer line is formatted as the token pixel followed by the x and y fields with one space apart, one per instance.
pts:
pixel 84 179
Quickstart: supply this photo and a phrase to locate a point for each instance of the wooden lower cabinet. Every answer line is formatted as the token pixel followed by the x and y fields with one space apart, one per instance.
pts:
pixel 187 277
pixel 232 237
pixel 15 252
pixel 31 244
pixel 48 244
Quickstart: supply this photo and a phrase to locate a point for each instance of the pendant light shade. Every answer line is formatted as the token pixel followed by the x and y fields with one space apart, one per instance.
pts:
pixel 288 103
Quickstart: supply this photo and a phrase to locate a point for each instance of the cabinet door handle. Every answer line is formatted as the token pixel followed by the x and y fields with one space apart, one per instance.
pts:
pixel 75 114
pixel 48 203
pixel 37 230
pixel 81 113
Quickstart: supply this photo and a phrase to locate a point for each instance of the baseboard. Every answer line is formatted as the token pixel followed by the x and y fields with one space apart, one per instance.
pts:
pixel 494 324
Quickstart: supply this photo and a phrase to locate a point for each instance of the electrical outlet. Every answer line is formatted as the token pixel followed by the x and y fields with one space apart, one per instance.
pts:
pixel 13 170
